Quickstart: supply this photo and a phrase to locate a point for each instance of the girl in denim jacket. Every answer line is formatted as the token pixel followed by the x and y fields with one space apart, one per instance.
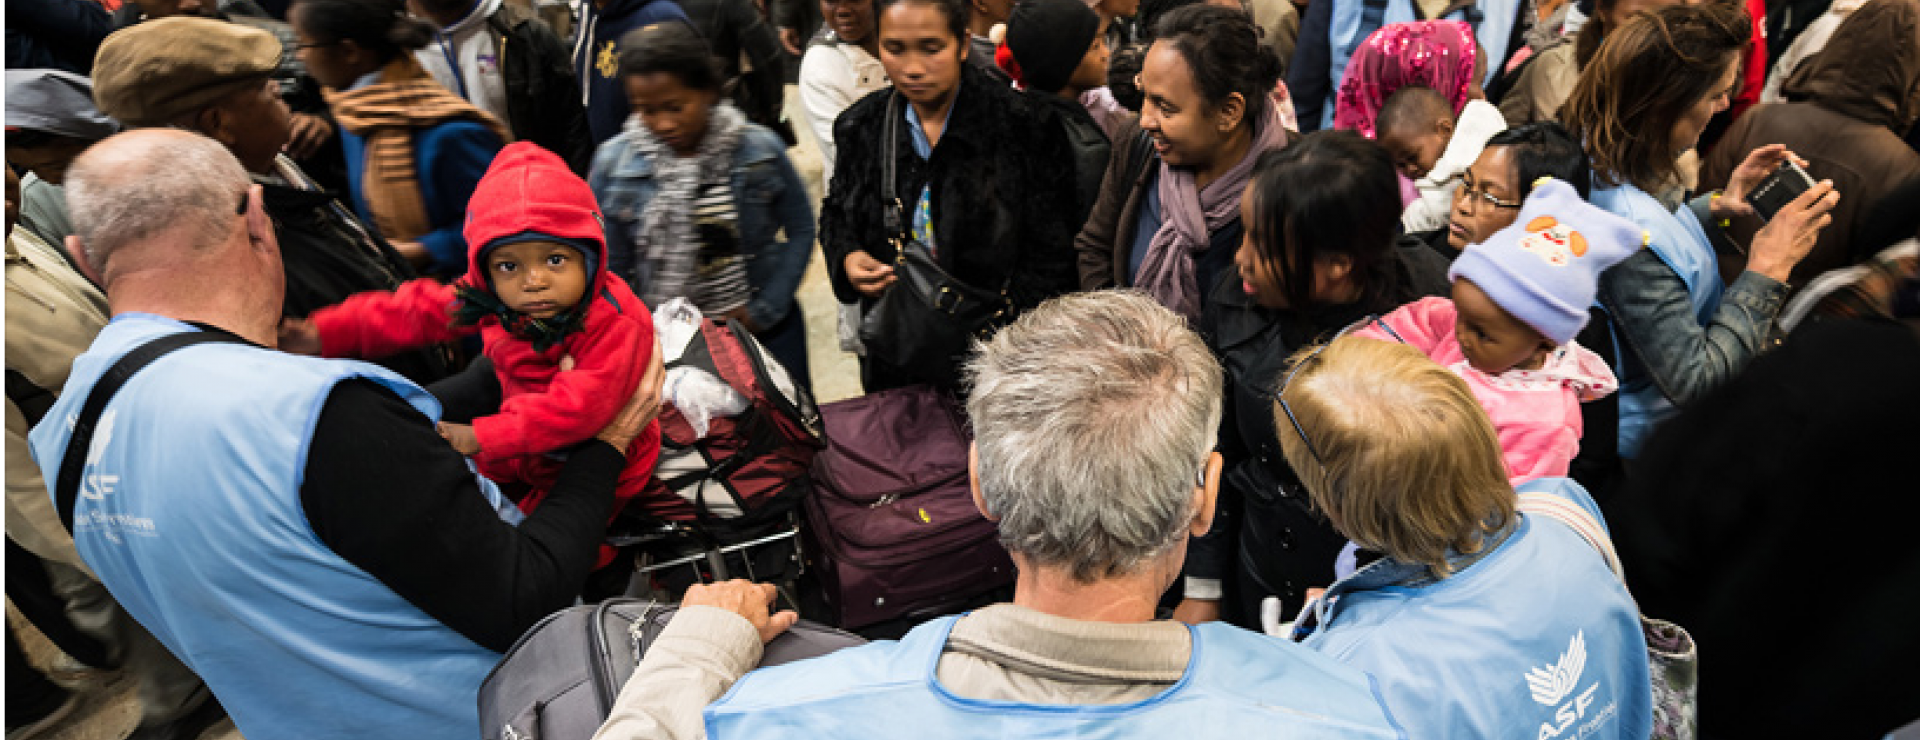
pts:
pixel 700 203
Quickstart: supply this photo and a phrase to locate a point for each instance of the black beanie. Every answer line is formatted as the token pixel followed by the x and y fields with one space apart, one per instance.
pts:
pixel 1048 39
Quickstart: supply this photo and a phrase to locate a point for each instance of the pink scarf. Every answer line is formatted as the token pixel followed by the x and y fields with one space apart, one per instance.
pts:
pixel 1433 54
pixel 1189 215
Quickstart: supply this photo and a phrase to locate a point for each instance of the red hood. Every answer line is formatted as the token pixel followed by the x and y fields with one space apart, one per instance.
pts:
pixel 530 189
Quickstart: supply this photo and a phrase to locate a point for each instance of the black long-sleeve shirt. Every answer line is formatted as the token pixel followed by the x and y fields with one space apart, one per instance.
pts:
pixel 387 494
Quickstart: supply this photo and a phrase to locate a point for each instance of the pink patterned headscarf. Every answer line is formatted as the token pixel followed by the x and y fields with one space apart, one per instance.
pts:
pixel 1435 54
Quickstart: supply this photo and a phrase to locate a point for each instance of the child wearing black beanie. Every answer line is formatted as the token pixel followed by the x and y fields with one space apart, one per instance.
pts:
pixel 1058 46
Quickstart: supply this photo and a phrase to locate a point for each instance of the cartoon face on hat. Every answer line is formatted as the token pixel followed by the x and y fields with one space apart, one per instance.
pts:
pixel 1555 242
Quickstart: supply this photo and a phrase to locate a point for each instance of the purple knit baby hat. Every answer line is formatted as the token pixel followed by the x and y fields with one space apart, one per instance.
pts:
pixel 1545 268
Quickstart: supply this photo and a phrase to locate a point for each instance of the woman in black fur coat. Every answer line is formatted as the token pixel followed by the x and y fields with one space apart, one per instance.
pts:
pixel 981 181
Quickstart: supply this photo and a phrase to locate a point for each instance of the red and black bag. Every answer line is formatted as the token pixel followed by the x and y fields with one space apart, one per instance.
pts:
pixel 892 518
pixel 750 467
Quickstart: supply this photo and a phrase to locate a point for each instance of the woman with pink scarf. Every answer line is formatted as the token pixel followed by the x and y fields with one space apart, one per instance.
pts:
pixel 1168 218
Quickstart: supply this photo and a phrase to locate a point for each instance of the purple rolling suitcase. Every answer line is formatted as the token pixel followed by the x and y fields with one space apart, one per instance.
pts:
pixel 894 527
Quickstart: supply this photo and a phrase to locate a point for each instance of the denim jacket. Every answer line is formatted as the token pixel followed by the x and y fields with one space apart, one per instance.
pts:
pixel 1681 333
pixel 767 193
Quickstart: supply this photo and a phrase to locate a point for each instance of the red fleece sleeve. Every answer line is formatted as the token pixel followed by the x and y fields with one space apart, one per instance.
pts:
pixel 609 358
pixel 377 324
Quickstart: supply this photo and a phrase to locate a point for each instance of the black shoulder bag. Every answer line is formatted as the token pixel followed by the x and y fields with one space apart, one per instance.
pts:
pixel 923 324
pixel 67 487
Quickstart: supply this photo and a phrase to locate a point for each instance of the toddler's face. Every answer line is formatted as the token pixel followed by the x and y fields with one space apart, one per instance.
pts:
pixel 1415 152
pixel 1092 71
pixel 1492 339
pixel 538 278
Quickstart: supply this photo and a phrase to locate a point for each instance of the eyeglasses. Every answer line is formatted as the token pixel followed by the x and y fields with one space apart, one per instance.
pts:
pixel 1279 396
pixel 1477 195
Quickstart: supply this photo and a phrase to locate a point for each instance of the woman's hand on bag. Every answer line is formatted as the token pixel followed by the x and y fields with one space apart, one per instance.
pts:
pixel 746 319
pixel 869 276
pixel 1756 167
pixel 752 601
pixel 1791 234
pixel 641 409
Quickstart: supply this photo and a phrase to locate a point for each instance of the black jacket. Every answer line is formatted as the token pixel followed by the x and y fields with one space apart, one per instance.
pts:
pixel 1798 473
pixel 55 34
pixel 1266 539
pixel 328 255
pixel 1080 135
pixel 543 99
pixel 1002 198
pixel 734 28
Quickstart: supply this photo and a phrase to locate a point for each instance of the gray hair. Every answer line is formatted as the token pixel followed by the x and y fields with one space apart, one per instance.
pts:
pixel 136 185
pixel 1093 416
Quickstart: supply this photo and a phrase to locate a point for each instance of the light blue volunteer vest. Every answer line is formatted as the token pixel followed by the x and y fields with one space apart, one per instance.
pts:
pixel 1680 242
pixel 190 513
pixel 1238 685
pixel 1536 640
pixel 1353 22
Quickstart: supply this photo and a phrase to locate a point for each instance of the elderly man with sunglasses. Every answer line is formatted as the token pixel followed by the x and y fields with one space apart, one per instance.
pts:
pixel 1094 419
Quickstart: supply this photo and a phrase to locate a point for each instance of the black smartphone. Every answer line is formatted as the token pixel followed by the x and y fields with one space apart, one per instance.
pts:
pixel 1780 188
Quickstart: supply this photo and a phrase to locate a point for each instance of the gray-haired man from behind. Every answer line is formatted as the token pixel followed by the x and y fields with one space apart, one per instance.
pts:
pixel 293 528
pixel 1094 418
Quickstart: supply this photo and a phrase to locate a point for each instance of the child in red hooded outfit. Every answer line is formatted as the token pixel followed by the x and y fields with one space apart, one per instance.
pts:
pixel 536 290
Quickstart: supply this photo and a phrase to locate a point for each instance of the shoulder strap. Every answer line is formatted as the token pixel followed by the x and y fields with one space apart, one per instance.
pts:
pixel 67 488
pixel 1576 518
pixel 889 151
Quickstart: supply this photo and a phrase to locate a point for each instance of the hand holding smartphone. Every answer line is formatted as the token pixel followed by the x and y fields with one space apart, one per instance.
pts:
pixel 1787 182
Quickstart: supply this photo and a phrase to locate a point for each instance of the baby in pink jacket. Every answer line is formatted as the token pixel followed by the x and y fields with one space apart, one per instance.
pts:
pixel 1518 300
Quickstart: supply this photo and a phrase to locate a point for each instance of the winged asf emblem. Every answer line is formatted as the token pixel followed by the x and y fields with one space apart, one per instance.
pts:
pixel 1551 683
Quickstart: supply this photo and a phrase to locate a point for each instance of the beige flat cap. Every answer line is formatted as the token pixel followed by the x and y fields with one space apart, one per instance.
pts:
pixel 154 73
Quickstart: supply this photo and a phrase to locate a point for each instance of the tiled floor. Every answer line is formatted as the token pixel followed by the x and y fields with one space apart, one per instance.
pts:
pixel 108 710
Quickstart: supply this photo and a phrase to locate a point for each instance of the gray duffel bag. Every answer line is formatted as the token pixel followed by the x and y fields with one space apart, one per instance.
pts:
pixel 558 682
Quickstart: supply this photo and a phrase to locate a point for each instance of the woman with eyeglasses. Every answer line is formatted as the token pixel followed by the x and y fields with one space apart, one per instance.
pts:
pixel 1487 614
pixel 1643 101
pixel 1319 252
pixel 1492 189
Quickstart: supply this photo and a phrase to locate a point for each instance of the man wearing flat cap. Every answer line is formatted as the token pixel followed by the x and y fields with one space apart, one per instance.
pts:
pixel 215 78
pixel 313 128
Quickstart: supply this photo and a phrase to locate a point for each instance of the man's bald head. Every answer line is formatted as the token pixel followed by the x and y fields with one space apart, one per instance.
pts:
pixel 136 187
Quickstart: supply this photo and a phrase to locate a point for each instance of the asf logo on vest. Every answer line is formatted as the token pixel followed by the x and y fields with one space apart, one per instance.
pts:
pixel 93 485
pixel 1553 684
